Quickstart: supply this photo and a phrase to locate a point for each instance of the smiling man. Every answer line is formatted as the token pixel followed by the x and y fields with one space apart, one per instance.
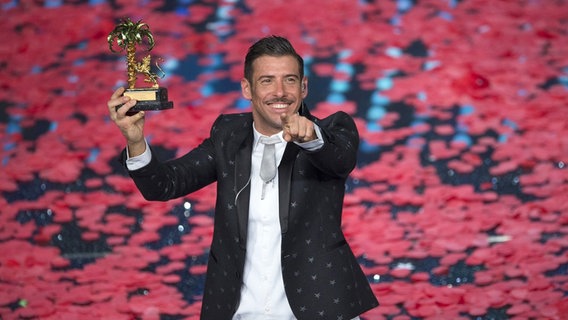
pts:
pixel 278 251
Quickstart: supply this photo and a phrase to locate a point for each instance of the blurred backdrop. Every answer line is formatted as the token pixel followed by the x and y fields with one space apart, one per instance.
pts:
pixel 456 210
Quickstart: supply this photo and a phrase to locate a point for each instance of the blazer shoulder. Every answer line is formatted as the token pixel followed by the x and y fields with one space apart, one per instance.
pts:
pixel 339 118
pixel 231 124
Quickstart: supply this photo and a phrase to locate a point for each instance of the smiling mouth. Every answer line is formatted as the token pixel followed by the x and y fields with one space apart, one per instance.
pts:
pixel 279 103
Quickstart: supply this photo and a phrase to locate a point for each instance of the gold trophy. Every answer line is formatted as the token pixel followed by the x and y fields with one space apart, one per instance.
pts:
pixel 128 34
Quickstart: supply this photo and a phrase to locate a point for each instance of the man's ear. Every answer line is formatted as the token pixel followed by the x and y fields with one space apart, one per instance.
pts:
pixel 305 87
pixel 246 89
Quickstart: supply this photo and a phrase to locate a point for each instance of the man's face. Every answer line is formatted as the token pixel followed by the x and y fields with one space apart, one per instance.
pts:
pixel 276 88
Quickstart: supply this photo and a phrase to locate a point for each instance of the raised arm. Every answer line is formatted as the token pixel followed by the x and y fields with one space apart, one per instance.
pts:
pixel 132 127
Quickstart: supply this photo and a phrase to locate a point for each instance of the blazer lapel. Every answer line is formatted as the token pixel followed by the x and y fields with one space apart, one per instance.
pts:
pixel 285 183
pixel 242 184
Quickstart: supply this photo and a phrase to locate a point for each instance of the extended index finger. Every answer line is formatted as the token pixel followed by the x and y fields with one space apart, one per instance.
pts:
pixel 287 119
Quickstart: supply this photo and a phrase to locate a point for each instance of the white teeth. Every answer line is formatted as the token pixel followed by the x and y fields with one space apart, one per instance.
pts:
pixel 279 106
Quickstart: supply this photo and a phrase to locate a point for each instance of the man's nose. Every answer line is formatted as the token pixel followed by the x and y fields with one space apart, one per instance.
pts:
pixel 279 88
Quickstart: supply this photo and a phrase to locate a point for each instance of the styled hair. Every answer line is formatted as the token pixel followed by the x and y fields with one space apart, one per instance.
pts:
pixel 273 46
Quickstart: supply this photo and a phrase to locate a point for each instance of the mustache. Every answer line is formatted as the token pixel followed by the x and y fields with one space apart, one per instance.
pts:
pixel 280 100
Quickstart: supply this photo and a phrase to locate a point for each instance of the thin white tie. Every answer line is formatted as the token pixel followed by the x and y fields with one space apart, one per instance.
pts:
pixel 268 164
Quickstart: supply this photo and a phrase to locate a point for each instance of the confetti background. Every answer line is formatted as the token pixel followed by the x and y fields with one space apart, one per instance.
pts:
pixel 457 210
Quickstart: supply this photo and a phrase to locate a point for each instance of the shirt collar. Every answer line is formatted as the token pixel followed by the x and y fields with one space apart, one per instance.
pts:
pixel 257 135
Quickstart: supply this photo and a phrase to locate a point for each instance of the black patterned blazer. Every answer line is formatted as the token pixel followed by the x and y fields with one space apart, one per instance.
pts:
pixel 321 276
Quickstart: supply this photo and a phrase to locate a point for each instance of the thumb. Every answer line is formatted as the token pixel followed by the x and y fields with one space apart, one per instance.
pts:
pixel 139 115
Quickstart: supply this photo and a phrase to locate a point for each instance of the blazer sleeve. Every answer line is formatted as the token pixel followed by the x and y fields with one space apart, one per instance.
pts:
pixel 162 181
pixel 338 156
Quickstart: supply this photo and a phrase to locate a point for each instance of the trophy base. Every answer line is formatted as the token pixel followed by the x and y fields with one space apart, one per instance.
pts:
pixel 148 99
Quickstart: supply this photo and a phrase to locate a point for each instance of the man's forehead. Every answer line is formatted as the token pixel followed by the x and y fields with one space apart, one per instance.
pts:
pixel 275 65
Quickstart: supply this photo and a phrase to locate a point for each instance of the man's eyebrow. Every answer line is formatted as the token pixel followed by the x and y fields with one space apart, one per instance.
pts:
pixel 285 76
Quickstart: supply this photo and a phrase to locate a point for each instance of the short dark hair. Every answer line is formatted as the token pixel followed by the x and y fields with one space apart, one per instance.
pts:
pixel 274 46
